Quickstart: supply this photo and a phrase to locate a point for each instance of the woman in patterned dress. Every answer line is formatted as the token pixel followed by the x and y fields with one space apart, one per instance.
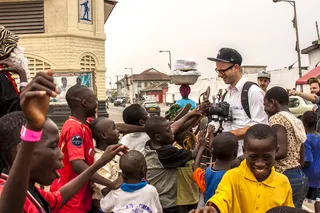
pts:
pixel 291 137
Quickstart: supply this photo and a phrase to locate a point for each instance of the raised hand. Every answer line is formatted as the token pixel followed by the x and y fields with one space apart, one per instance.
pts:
pixel 9 66
pixel 292 92
pixel 207 209
pixel 111 152
pixel 34 99
pixel 201 139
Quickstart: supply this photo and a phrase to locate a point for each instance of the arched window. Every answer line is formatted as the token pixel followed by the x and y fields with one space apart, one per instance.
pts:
pixel 37 65
pixel 88 64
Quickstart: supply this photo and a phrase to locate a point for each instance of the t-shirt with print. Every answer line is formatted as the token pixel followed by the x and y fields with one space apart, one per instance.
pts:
pixel 162 164
pixel 312 155
pixel 76 144
pixel 109 171
pixel 143 200
pixel 293 155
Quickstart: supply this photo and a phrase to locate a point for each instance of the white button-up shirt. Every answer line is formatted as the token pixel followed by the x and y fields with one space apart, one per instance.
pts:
pixel 258 115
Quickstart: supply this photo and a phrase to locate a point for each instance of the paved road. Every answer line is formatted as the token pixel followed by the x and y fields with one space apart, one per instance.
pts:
pixel 115 113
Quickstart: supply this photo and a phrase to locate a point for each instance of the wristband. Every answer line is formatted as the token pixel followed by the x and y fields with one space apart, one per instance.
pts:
pixel 23 84
pixel 30 136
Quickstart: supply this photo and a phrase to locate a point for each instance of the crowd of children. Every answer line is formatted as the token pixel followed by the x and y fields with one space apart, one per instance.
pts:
pixel 152 172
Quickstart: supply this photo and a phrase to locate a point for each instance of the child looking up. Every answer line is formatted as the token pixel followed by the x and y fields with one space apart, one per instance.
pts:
pixel 134 195
pixel 136 115
pixel 77 146
pixel 254 186
pixel 37 158
pixel 312 158
pixel 104 133
pixel 224 149
pixel 163 160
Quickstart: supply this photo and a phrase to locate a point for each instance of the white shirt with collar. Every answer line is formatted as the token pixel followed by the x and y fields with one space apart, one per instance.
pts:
pixel 258 115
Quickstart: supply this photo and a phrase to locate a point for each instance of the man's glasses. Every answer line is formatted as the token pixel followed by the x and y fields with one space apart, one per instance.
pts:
pixel 225 70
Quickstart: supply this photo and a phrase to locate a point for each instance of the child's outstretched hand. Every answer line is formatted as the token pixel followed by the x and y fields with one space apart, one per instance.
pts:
pixel 34 99
pixel 112 151
pixel 207 209
pixel 202 140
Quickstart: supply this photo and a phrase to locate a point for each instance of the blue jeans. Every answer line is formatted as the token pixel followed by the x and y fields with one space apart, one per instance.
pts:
pixel 299 184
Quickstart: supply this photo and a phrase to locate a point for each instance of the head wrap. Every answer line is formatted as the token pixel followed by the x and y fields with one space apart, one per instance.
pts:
pixel 185 90
pixel 8 41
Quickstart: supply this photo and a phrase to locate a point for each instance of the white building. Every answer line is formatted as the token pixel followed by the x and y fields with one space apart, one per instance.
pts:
pixel 313 52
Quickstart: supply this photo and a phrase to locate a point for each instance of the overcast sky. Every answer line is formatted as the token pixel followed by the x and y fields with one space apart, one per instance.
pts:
pixel 260 30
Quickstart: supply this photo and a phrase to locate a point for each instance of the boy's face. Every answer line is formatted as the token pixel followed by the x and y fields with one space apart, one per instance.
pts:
pixel 260 156
pixel 90 103
pixel 145 117
pixel 109 132
pixel 47 157
pixel 165 135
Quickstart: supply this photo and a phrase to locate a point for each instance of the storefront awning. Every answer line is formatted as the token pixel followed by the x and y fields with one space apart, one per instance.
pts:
pixel 312 73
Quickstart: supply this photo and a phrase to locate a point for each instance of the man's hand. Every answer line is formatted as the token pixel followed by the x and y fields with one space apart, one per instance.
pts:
pixel 292 92
pixel 34 99
pixel 111 152
pixel 207 209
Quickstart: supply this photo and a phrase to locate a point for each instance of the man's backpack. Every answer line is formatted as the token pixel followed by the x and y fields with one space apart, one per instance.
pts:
pixel 244 97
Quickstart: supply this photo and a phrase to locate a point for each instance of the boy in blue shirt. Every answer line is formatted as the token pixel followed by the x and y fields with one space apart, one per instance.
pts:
pixel 312 158
pixel 225 148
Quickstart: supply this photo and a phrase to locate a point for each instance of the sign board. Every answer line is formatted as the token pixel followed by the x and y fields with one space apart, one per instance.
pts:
pixel 66 80
pixel 85 11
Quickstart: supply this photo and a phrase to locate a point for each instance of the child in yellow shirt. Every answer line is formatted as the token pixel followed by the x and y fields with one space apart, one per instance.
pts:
pixel 254 186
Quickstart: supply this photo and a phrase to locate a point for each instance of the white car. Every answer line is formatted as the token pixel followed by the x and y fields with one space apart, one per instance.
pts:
pixel 298 106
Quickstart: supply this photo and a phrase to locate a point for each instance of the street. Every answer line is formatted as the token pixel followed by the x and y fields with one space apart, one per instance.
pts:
pixel 115 113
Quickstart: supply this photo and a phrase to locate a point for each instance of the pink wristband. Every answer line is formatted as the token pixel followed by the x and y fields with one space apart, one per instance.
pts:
pixel 30 136
pixel 23 84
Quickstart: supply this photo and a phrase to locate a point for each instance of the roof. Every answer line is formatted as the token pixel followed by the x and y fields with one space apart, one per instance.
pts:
pixel 315 45
pixel 149 75
pixel 312 73
pixel 155 87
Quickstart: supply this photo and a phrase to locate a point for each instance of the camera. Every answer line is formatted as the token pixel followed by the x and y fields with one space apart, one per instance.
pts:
pixel 220 112
pixel 220 109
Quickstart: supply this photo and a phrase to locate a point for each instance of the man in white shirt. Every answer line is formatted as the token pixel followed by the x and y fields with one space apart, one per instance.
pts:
pixel 228 67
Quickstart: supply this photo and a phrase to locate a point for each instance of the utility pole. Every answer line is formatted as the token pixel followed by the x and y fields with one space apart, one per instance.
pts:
pixel 132 85
pixel 317 31
pixel 295 25
pixel 118 83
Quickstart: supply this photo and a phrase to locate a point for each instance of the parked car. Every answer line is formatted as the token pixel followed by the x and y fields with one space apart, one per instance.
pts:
pixel 120 102
pixel 152 108
pixel 298 106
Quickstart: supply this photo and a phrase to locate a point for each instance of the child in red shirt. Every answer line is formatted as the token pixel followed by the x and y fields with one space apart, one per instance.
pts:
pixel 37 162
pixel 77 146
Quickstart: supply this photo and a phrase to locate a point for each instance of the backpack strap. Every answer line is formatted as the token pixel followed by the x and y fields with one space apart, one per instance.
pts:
pixel 224 96
pixel 245 98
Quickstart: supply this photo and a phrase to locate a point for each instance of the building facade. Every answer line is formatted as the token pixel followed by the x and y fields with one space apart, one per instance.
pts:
pixel 66 36
pixel 141 81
